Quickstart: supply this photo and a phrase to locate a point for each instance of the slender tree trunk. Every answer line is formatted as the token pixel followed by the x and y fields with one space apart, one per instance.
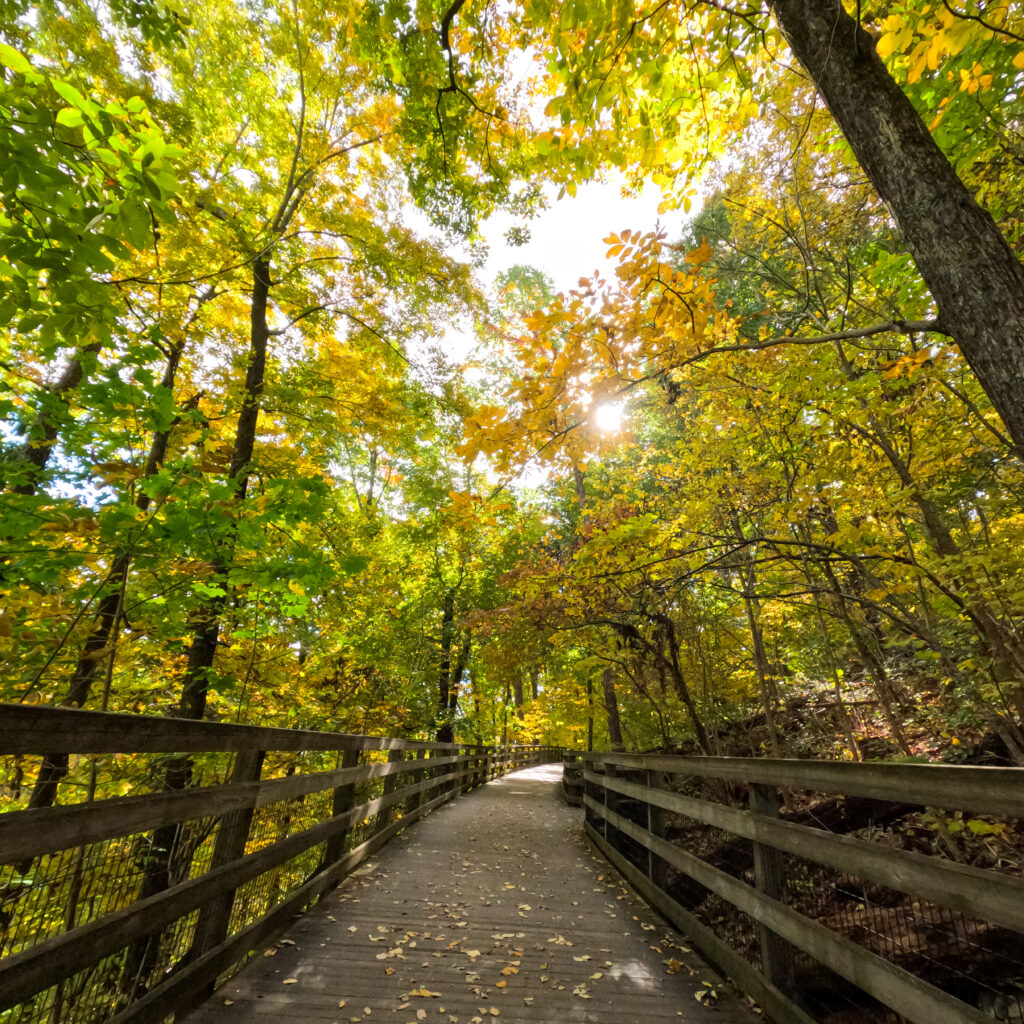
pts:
pixel 444 665
pixel 517 694
pixel 41 435
pixel 206 631
pixel 142 955
pixel 761 667
pixel 54 766
pixel 446 734
pixel 973 275
pixel 670 663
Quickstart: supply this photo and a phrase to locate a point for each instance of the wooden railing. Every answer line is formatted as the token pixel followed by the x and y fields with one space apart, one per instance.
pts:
pixel 572 777
pixel 155 874
pixel 797 914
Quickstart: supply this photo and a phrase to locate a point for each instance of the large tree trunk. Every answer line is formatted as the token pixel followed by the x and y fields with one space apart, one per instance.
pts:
pixel 973 275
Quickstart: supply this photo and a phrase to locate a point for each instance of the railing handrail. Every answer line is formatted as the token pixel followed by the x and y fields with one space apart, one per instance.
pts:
pixel 30 729
pixel 979 789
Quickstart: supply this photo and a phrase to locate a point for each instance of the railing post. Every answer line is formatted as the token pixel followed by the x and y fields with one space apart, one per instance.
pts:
pixel 416 778
pixel 770 878
pixel 479 778
pixel 232 836
pixel 390 785
pixel 343 800
pixel 656 817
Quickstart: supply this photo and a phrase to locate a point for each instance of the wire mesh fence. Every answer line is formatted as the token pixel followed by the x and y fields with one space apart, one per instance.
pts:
pixel 150 871
pixel 870 895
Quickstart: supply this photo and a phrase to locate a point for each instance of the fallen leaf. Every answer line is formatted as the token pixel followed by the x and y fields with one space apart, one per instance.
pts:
pixel 290 981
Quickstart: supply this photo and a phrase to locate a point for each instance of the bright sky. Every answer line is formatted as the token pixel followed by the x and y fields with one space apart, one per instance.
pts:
pixel 567 240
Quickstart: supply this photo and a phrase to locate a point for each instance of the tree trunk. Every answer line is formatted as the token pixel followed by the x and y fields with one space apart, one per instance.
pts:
pixel 973 275
pixel 590 713
pixel 41 435
pixel 206 633
pixel 444 665
pixel 611 706
pixel 446 734
pixel 142 955
pixel 54 767
pixel 517 694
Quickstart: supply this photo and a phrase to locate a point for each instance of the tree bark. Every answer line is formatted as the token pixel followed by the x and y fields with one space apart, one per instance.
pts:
pixel 611 706
pixel 973 275
pixel 202 651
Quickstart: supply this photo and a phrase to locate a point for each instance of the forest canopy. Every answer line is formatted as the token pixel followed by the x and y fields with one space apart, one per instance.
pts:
pixel 250 473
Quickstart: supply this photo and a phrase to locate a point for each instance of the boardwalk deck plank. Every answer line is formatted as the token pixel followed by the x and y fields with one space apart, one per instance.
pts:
pixel 503 873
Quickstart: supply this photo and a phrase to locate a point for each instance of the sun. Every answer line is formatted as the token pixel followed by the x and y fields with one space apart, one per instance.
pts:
pixel 609 416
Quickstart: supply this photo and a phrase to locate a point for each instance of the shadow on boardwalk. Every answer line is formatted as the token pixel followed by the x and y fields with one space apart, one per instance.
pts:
pixel 492 909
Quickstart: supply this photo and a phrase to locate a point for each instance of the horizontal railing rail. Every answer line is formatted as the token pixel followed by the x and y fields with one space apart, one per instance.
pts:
pixel 791 910
pixel 171 850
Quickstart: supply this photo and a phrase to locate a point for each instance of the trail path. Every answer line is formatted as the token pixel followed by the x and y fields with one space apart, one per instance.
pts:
pixel 494 909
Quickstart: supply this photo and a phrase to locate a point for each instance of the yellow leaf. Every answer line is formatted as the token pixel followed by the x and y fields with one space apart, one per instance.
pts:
pixel 701 254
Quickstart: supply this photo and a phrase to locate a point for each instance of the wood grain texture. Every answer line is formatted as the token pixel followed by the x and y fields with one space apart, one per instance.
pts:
pixel 978 790
pixel 500 880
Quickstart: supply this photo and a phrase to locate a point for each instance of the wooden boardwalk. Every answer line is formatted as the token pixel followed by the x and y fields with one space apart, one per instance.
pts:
pixel 493 908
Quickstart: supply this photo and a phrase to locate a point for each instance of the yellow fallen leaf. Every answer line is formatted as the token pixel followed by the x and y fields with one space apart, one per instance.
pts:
pixel 290 981
pixel 425 993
